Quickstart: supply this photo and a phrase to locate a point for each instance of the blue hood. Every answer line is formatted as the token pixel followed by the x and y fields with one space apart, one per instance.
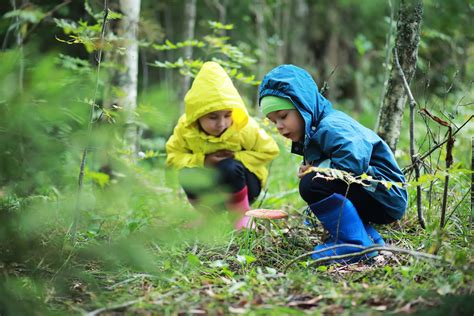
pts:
pixel 297 85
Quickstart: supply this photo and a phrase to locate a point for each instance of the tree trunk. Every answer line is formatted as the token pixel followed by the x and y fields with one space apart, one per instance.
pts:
pixel 299 47
pixel 221 6
pixel 190 20
pixel 332 55
pixel 284 31
pixel 259 8
pixel 124 78
pixel 406 44
pixel 169 55
pixel 129 77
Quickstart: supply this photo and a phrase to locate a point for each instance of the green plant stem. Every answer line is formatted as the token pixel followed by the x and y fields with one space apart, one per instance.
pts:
pixel 89 127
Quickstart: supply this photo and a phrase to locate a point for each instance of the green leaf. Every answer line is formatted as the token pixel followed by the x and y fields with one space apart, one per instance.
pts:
pixel 26 15
pixel 102 179
pixel 193 260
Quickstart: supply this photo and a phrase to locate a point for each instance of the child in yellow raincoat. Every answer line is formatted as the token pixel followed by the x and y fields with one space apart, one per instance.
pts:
pixel 216 132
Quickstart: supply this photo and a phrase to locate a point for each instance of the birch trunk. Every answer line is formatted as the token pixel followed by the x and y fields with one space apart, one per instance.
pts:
pixel 259 10
pixel 406 43
pixel 129 78
pixel 122 94
pixel 190 20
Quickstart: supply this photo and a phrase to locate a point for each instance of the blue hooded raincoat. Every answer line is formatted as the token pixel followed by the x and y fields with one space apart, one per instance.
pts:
pixel 333 135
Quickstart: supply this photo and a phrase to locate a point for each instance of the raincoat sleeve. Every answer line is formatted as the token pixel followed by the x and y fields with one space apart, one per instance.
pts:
pixel 178 153
pixel 347 147
pixel 258 148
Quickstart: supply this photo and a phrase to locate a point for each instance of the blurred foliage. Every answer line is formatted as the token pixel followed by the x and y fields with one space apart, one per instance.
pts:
pixel 214 47
pixel 123 207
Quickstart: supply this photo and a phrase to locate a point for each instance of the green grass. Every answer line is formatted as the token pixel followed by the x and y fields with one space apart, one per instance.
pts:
pixel 156 269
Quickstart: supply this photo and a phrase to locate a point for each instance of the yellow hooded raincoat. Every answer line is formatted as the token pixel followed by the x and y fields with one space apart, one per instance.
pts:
pixel 212 90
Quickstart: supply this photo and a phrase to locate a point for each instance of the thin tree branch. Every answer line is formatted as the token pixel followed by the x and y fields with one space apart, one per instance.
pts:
pixel 429 152
pixel 49 13
pixel 114 307
pixel 414 159
pixel 364 250
pixel 326 87
pixel 460 202
pixel 448 160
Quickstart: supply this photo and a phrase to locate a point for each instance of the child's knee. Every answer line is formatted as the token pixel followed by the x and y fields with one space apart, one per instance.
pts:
pixel 230 166
pixel 231 171
pixel 306 188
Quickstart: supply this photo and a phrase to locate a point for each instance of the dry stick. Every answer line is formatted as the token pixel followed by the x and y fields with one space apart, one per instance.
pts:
pixel 414 159
pixel 89 126
pixel 114 307
pixel 449 161
pixel 326 87
pixel 364 250
pixel 460 202
pixel 429 152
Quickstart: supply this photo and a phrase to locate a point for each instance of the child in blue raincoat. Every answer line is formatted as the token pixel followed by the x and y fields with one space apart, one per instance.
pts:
pixel 325 137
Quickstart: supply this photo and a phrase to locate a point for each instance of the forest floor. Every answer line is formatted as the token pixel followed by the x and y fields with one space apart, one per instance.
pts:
pixel 253 273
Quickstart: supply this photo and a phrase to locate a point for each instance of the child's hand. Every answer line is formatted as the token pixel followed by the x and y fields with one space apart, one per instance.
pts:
pixel 303 170
pixel 213 158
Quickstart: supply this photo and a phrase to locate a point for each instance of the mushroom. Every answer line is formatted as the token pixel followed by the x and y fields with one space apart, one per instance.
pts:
pixel 267 214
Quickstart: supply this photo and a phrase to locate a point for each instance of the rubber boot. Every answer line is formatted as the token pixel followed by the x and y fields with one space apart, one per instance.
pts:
pixel 339 216
pixel 239 203
pixel 374 234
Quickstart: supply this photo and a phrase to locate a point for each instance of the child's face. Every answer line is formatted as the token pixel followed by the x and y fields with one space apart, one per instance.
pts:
pixel 217 122
pixel 289 123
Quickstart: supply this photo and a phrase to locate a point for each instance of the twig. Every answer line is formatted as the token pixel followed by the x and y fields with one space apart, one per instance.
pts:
pixel 429 152
pixel 414 159
pixel 325 86
pixel 460 202
pixel 133 278
pixel 449 160
pixel 47 14
pixel 113 307
pixel 363 251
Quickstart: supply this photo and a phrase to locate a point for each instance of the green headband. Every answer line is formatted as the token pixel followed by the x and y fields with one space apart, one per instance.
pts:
pixel 271 104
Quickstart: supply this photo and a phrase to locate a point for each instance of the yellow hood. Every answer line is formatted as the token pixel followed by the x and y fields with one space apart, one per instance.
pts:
pixel 213 90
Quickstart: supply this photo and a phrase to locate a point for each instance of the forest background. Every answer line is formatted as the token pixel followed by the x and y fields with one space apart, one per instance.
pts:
pixel 92 222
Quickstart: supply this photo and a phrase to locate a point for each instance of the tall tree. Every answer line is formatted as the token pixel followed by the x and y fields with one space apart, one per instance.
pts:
pixel 190 23
pixel 406 44
pixel 299 47
pixel 259 10
pixel 125 76
pixel 284 14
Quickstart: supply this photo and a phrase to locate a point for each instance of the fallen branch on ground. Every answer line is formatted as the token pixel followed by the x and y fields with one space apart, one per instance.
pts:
pixel 363 251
